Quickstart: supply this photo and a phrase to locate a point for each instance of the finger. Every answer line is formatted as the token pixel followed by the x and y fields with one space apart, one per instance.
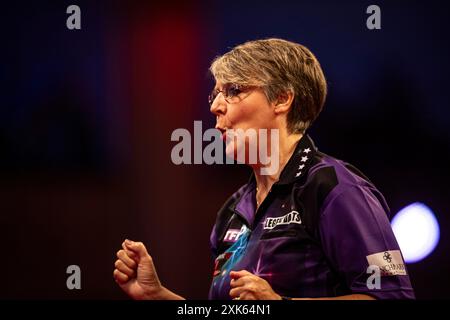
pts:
pixel 248 284
pixel 239 274
pixel 248 296
pixel 138 248
pixel 130 253
pixel 123 256
pixel 236 292
pixel 237 282
pixel 120 277
pixel 122 267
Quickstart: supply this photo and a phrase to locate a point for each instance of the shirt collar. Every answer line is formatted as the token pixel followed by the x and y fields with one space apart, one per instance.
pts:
pixel 297 167
pixel 300 161
pixel 298 164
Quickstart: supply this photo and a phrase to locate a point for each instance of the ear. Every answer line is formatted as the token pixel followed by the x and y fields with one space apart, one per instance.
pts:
pixel 284 102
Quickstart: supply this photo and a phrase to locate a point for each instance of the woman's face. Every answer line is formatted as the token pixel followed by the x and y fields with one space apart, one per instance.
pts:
pixel 249 111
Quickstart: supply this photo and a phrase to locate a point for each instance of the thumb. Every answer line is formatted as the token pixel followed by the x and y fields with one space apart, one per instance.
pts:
pixel 137 248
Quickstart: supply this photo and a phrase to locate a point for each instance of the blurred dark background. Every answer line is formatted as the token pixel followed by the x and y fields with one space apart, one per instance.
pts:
pixel 86 118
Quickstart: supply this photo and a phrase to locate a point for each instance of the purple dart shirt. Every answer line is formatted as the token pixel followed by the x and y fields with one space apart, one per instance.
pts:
pixel 315 235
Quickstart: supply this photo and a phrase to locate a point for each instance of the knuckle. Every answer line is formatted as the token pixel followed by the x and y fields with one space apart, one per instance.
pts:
pixel 121 266
pixel 132 264
pixel 121 276
pixel 252 288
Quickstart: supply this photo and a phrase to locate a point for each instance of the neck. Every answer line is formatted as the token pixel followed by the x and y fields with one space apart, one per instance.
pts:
pixel 287 146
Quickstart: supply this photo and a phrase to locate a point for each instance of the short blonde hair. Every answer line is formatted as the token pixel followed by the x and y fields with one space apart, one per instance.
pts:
pixel 277 66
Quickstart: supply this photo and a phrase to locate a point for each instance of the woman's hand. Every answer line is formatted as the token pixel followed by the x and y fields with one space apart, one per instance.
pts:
pixel 135 273
pixel 247 286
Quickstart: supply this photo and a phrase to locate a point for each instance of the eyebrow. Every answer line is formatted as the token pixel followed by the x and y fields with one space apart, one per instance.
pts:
pixel 216 87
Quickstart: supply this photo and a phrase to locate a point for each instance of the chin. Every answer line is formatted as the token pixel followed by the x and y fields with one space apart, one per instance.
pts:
pixel 231 151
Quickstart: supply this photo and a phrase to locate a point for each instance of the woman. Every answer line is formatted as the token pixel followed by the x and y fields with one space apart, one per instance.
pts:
pixel 315 228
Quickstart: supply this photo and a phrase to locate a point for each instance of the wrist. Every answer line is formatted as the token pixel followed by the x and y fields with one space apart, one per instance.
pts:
pixel 163 294
pixel 155 294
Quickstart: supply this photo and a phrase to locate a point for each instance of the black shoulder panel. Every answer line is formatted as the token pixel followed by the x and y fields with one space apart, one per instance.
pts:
pixel 313 195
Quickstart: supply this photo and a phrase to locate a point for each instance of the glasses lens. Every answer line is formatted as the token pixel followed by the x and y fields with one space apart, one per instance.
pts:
pixel 232 91
pixel 212 96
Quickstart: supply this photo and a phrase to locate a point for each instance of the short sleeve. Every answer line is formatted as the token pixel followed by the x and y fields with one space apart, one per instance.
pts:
pixel 355 232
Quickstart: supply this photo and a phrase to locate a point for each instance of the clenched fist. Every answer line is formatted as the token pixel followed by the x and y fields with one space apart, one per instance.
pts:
pixel 247 286
pixel 135 273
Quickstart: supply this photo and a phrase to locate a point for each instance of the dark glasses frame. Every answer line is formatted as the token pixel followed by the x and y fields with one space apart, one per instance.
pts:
pixel 231 93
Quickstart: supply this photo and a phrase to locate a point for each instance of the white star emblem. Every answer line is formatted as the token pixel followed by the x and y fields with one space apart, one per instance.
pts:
pixel 307 150
pixel 304 159
pixel 298 173
pixel 301 166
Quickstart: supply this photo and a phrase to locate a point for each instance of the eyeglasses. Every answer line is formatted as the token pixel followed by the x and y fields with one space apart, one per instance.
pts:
pixel 231 93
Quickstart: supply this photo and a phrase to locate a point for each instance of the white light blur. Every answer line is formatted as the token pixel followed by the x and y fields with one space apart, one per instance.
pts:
pixel 416 230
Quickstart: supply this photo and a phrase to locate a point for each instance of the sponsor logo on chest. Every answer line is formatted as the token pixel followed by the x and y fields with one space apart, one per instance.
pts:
pixel 233 235
pixel 291 217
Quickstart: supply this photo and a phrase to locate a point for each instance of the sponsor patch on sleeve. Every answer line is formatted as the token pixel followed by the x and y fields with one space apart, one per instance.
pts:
pixel 390 262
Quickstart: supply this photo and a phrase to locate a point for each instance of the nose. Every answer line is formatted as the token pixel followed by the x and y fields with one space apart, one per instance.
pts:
pixel 219 105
